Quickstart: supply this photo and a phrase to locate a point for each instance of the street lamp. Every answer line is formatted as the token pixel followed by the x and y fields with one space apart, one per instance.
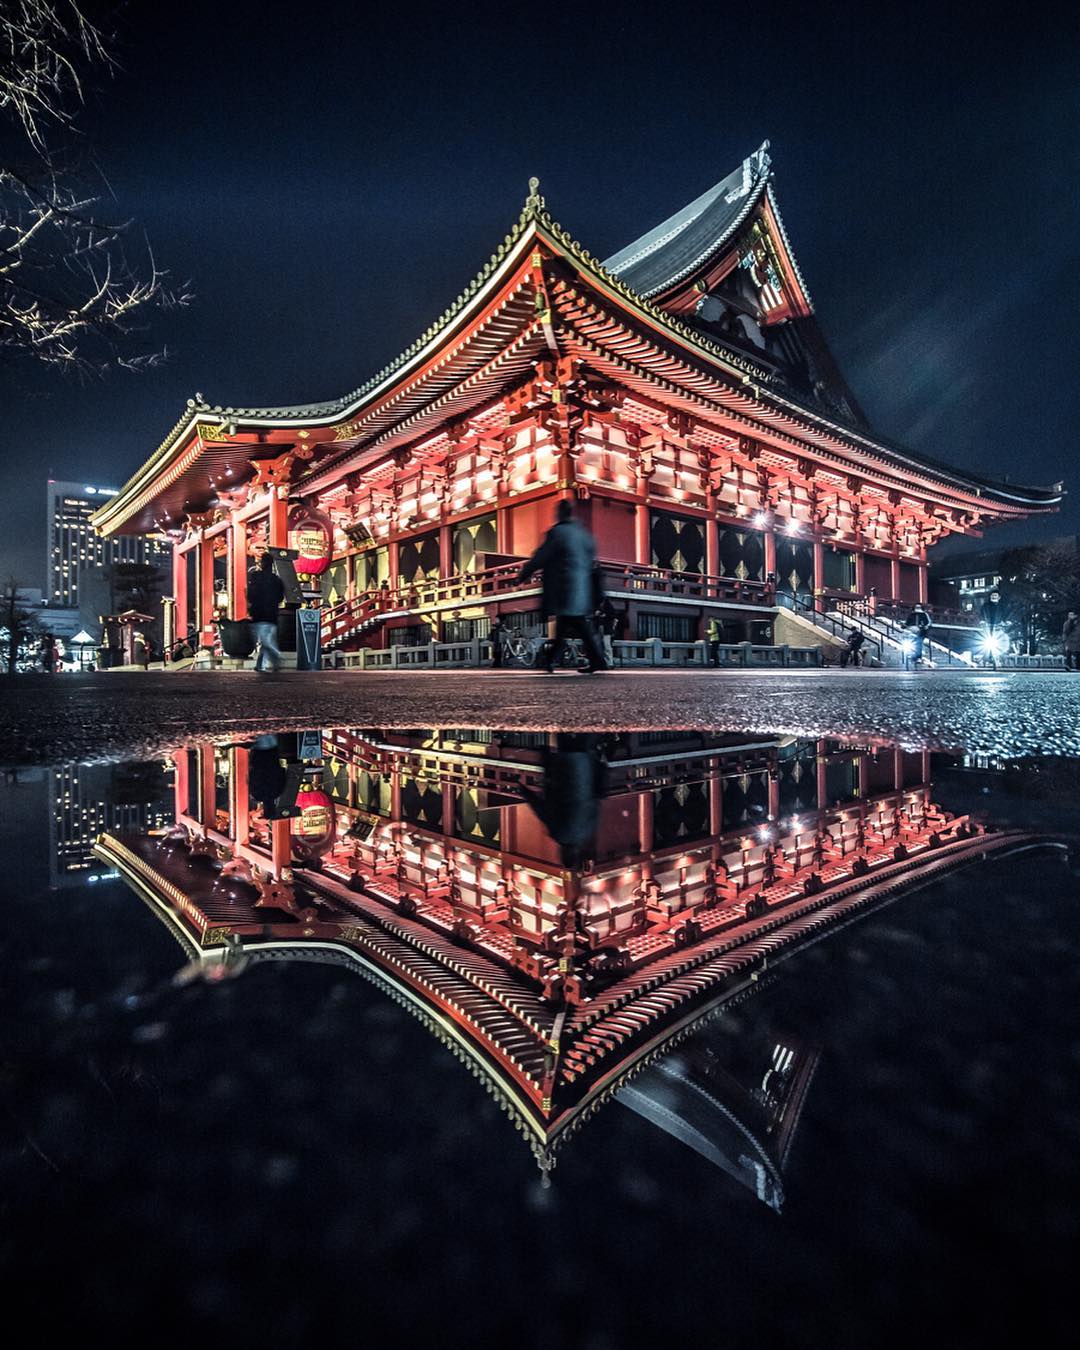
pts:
pixel 81 641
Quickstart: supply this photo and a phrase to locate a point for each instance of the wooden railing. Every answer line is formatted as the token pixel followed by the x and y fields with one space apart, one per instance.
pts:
pixel 637 579
pixel 469 588
pixel 640 652
pixel 897 611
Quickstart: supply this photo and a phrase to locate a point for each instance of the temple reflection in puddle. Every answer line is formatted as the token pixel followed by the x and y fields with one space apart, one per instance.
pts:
pixel 565 912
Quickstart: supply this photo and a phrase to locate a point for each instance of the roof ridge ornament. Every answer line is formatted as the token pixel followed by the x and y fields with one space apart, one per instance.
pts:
pixel 534 203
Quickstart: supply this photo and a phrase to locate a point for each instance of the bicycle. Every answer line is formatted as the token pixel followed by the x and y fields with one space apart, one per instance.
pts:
pixel 530 651
pixel 520 649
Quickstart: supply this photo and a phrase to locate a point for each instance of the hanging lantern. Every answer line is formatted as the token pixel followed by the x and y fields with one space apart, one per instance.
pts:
pixel 313 829
pixel 311 533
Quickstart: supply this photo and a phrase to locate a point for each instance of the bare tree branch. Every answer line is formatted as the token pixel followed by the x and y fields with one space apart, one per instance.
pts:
pixel 71 294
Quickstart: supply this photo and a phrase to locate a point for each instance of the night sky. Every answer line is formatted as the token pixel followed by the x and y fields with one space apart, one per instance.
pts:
pixel 328 182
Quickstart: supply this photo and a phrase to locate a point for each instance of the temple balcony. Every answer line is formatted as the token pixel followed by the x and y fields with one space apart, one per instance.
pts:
pixel 368 609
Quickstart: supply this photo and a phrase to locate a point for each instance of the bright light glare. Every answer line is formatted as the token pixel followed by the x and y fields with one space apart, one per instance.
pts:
pixel 761 519
pixel 792 527
pixel 993 644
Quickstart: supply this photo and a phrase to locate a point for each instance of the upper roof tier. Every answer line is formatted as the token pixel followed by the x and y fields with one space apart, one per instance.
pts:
pixel 682 244
pixel 715 330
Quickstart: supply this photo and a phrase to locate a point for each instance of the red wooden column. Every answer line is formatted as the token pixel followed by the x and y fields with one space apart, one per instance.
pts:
pixel 769 539
pixel 180 590
pixel 207 791
pixel 894 576
pixel 168 621
pixel 645 822
pixel 181 786
pixel 712 545
pixel 860 572
pixel 446 551
pixel 280 846
pixel 204 573
pixel 238 794
pixel 821 763
pixel 922 571
pixel 278 522
pixel 237 569
pixel 819 566
pixel 716 804
pixel 642 539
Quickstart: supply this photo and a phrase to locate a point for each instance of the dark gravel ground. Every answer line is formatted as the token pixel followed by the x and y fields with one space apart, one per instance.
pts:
pixel 44 719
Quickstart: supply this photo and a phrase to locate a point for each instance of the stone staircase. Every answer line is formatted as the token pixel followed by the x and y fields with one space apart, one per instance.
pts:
pixel 885 633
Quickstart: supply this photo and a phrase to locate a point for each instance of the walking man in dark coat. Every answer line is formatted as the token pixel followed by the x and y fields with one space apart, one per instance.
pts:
pixel 566 558
pixel 495 637
pixel 265 593
pixel 1070 641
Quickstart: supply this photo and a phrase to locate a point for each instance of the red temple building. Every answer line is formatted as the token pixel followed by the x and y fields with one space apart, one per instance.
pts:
pixel 681 392
pixel 559 911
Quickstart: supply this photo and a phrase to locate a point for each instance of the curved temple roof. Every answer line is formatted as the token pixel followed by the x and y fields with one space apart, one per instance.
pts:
pixel 680 244
pixel 651 265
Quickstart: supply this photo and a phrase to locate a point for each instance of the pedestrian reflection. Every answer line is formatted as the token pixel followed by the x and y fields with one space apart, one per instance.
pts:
pixel 568 802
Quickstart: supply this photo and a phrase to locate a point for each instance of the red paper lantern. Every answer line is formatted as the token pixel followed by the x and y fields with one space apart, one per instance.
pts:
pixel 313 829
pixel 312 535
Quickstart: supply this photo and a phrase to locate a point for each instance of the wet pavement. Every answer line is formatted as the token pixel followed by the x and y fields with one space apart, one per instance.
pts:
pixel 111 715
pixel 756 1023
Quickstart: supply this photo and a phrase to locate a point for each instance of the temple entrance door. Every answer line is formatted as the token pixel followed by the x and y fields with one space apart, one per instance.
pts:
pixel 677 542
pixel 839 570
pixel 741 553
pixel 795 566
pixel 473 537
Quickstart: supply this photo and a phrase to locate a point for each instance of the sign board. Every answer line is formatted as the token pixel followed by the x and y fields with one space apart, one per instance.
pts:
pixel 285 568
pixel 309 745
pixel 308 639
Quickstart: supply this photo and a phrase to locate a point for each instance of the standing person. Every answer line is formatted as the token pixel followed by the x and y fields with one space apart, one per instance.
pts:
pixel 142 650
pixel 1070 641
pixel 993 615
pixel 496 639
pixel 992 611
pixel 265 594
pixel 853 651
pixel 607 620
pixel 919 623
pixel 712 636
pixel 566 558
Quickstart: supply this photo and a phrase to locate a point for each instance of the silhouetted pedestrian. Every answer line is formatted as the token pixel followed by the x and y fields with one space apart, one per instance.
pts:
pixel 607 621
pixel 496 639
pixel 1070 641
pixel 919 623
pixel 713 633
pixel 265 593
pixel 566 558
pixel 852 653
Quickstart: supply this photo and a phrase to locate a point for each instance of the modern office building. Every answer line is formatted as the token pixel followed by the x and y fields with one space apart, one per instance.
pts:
pixel 73 546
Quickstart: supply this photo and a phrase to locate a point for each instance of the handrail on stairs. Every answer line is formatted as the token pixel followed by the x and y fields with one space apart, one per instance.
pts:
pixel 883 617
pixel 813 609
